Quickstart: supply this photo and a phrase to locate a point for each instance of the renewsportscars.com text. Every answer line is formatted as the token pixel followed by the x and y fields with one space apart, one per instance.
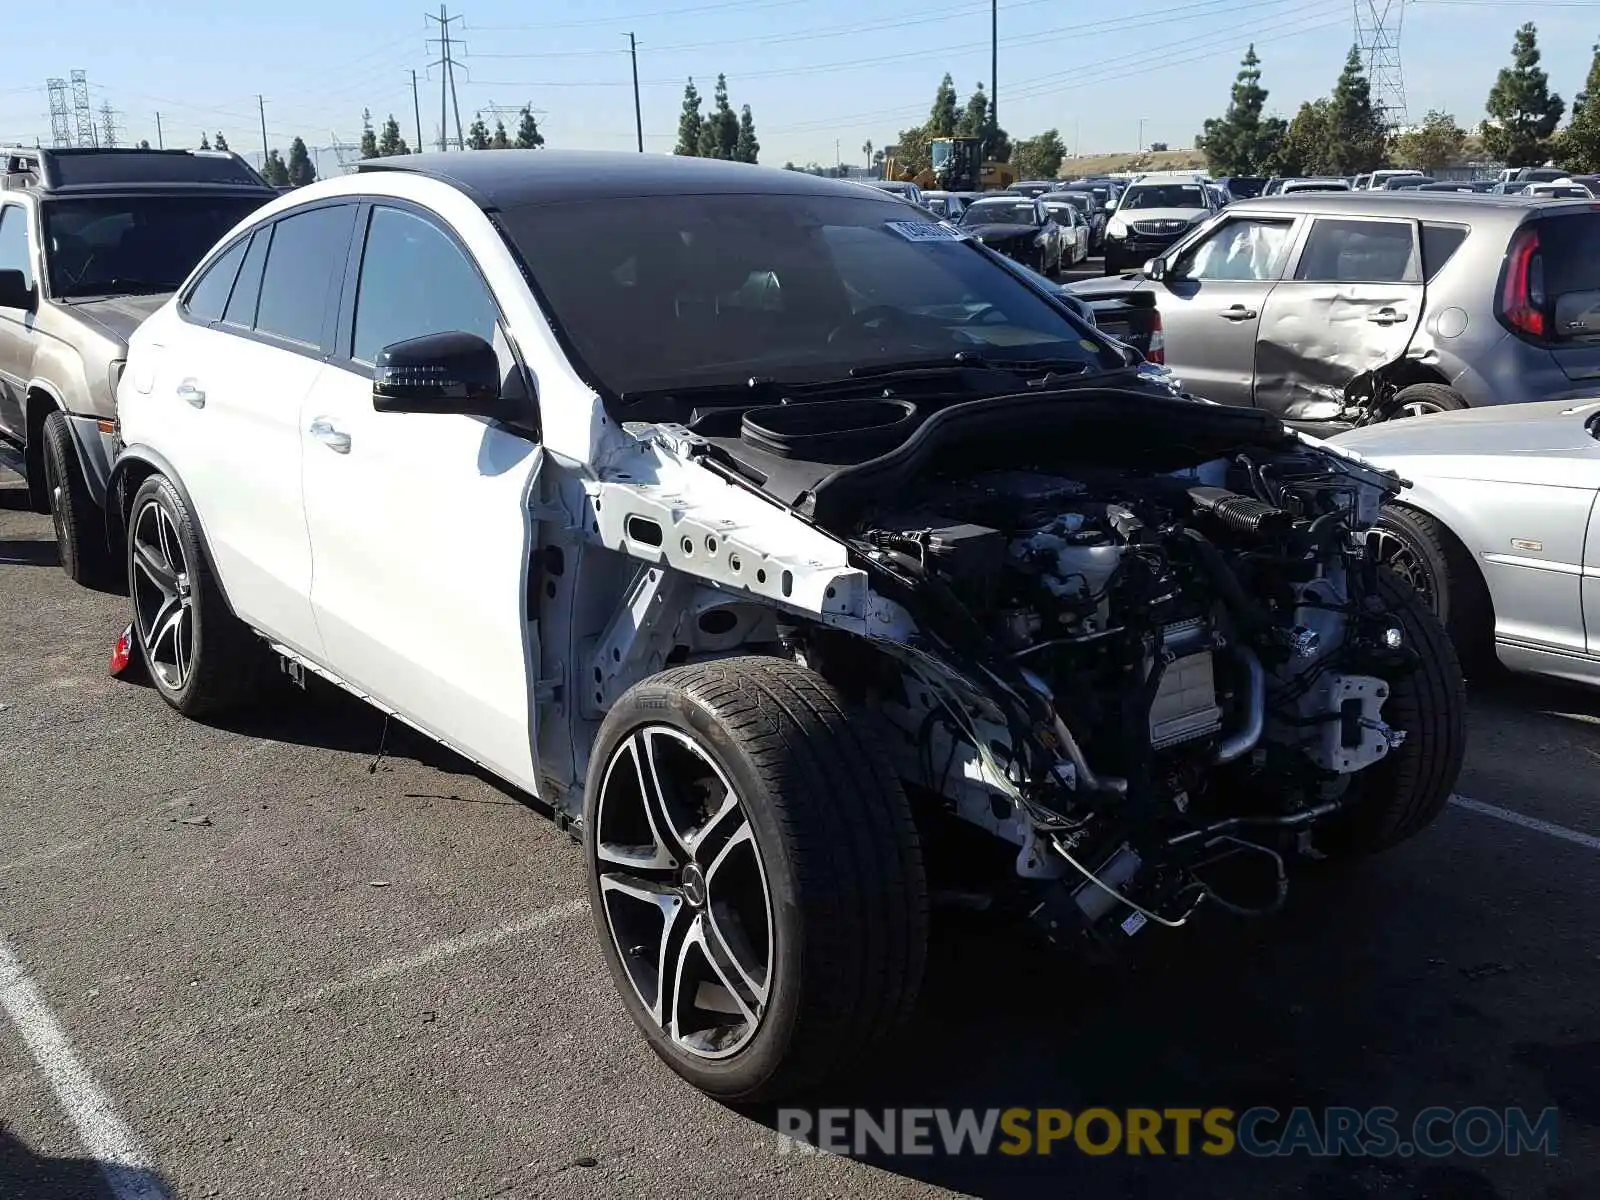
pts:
pixel 1260 1132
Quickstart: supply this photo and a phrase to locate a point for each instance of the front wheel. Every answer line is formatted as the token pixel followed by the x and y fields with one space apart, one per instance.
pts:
pixel 754 875
pixel 79 522
pixel 1399 796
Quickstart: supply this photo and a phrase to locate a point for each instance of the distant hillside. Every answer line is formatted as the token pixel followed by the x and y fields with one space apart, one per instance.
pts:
pixel 1157 160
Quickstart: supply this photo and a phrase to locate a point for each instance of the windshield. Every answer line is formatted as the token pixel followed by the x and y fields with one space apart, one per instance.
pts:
pixel 1078 200
pixel 1165 195
pixel 133 244
pixel 672 292
pixel 1000 212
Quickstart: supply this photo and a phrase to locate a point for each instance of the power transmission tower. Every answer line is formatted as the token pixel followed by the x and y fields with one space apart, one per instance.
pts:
pixel 346 154
pixel 60 122
pixel 83 115
pixel 108 126
pixel 447 77
pixel 1378 27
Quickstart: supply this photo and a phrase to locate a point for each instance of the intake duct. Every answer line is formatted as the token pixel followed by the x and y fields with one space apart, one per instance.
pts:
pixel 1241 514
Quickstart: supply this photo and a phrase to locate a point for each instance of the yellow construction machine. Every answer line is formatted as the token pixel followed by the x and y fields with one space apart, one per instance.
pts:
pixel 956 165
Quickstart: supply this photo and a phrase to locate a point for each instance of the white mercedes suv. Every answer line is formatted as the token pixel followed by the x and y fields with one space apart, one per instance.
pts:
pixel 750 520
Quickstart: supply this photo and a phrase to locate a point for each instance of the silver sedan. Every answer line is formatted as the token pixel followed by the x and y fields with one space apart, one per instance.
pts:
pixel 1498 529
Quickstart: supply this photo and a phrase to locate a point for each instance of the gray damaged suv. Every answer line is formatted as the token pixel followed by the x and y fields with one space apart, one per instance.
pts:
pixel 1343 309
pixel 91 243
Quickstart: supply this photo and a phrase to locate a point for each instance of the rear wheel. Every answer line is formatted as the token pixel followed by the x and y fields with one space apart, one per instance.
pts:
pixel 1399 796
pixel 754 874
pixel 79 522
pixel 201 658
pixel 1422 399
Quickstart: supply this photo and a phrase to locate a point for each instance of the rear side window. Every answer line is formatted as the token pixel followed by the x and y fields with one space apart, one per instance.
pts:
pixel 1356 251
pixel 307 254
pixel 241 310
pixel 209 296
pixel 1439 242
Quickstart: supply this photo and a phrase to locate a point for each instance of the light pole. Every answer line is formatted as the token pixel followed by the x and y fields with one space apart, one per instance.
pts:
pixel 1142 120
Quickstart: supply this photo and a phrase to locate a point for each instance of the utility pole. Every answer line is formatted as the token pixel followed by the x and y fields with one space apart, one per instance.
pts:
pixel 261 107
pixel 638 113
pixel 1142 120
pixel 160 145
pixel 994 68
pixel 416 110
pixel 447 79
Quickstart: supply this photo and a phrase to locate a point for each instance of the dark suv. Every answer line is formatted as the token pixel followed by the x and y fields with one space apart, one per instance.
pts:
pixel 1342 309
pixel 91 243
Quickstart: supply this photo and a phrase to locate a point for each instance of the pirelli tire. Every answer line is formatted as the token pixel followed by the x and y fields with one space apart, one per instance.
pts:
pixel 1398 797
pixel 755 876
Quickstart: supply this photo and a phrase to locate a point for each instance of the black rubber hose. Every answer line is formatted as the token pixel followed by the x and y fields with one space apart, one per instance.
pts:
pixel 1244 608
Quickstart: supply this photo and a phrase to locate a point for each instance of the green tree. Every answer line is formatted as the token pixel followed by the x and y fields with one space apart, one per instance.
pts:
pixel 974 118
pixel 477 135
pixel 389 141
pixel 1357 139
pixel 719 132
pixel 942 119
pixel 221 143
pixel 689 121
pixel 1039 157
pixel 1579 144
pixel 1523 111
pixel 369 139
pixel 1436 143
pixel 300 170
pixel 144 143
pixel 1305 149
pixel 911 151
pixel 528 135
pixel 205 142
pixel 500 140
pixel 1242 141
pixel 746 147
pixel 866 149
pixel 274 170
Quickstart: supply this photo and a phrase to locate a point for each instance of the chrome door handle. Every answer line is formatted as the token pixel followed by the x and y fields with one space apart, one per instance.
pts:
pixel 189 391
pixel 334 439
pixel 1238 313
pixel 1387 316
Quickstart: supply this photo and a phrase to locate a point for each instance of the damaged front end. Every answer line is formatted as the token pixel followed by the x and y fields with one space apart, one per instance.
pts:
pixel 1136 638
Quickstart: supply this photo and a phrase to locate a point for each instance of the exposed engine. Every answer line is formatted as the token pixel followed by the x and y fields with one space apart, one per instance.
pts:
pixel 1194 657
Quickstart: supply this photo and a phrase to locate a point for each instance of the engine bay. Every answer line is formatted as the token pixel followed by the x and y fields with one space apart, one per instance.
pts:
pixel 1155 669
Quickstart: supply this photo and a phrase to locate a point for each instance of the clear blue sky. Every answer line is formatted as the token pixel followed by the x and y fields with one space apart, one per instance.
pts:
pixel 813 71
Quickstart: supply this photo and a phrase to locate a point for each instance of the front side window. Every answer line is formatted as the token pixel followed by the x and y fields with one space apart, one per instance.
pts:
pixel 14 255
pixel 307 253
pixel 677 291
pixel 1342 250
pixel 1246 249
pixel 142 245
pixel 415 281
pixel 208 298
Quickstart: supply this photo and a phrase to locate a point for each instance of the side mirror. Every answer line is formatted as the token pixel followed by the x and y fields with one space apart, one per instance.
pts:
pixel 14 291
pixel 1155 269
pixel 438 373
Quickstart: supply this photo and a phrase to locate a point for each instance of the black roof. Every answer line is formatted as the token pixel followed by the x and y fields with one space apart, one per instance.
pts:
pixel 92 170
pixel 513 178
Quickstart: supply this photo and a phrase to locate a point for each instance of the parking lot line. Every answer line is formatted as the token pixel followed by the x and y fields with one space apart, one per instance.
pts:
pixel 104 1134
pixel 1589 841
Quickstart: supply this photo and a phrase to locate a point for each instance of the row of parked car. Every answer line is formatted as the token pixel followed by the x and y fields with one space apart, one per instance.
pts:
pixel 663 488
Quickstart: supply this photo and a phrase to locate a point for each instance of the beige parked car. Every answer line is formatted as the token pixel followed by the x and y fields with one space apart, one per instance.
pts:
pixel 91 243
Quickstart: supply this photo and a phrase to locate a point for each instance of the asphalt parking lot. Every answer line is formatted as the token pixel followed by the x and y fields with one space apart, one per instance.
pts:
pixel 267 964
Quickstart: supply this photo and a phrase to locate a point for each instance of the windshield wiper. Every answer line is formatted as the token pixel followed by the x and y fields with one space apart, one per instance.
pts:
pixel 121 285
pixel 965 360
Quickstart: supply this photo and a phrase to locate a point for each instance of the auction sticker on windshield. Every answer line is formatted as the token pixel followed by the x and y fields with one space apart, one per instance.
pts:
pixel 926 231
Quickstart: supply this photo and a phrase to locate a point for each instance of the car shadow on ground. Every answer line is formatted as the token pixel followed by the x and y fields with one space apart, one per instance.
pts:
pixel 24 1174
pixel 28 552
pixel 1231 1012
